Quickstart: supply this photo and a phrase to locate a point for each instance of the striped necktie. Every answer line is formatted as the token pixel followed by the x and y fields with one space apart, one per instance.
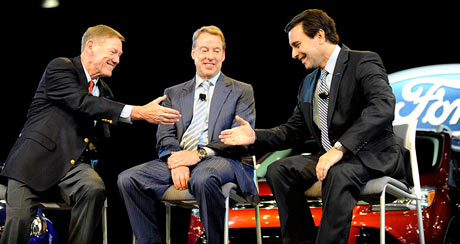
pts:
pixel 199 124
pixel 323 101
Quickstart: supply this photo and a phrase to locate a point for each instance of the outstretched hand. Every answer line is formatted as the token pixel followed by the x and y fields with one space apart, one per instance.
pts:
pixel 154 113
pixel 241 135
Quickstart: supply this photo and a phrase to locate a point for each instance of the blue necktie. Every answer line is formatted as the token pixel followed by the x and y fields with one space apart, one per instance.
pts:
pixel 199 124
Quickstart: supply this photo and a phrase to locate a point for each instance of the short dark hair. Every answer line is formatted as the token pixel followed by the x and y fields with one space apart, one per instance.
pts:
pixel 313 20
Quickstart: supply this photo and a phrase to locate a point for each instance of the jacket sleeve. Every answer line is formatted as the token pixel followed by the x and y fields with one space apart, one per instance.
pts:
pixel 245 108
pixel 62 86
pixel 167 140
pixel 378 114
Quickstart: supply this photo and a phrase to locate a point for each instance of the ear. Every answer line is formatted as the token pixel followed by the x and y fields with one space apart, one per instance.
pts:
pixel 321 36
pixel 193 54
pixel 89 45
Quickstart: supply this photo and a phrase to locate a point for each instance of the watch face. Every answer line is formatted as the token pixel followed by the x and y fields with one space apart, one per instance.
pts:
pixel 202 153
pixel 338 145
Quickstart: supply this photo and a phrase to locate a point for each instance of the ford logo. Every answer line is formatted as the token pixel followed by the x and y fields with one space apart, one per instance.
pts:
pixel 429 94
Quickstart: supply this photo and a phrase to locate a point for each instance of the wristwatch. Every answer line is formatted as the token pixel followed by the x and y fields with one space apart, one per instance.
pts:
pixel 340 147
pixel 202 154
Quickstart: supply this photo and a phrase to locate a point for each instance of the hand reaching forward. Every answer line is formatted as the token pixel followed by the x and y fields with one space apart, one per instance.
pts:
pixel 180 176
pixel 154 113
pixel 241 135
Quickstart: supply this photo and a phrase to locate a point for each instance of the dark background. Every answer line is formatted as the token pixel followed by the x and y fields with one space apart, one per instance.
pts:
pixel 157 55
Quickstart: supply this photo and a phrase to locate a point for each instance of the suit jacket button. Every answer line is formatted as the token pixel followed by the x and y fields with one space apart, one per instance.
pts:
pixel 86 140
pixel 72 161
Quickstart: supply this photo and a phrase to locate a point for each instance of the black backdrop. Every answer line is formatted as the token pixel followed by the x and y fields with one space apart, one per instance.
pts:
pixel 157 55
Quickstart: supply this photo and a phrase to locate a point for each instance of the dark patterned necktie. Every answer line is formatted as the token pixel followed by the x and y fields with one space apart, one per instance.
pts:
pixel 323 101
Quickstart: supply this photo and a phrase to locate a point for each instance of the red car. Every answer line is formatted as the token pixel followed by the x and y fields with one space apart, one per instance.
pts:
pixel 438 158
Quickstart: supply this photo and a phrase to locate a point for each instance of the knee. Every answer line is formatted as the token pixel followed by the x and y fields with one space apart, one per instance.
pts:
pixel 341 172
pixel 204 183
pixel 124 180
pixel 96 190
pixel 274 170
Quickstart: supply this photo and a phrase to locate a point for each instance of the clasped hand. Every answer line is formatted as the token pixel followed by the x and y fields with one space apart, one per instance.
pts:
pixel 183 158
pixel 178 162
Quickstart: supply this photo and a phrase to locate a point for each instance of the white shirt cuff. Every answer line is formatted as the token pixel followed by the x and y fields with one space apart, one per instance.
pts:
pixel 125 115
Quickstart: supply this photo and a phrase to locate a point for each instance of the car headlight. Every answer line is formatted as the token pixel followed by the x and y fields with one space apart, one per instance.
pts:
pixel 427 198
pixel 428 195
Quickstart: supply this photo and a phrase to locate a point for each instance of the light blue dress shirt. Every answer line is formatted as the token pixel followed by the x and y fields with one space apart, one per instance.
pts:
pixel 125 115
pixel 204 140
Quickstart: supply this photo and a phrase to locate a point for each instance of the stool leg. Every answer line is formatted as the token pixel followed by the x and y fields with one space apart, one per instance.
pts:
pixel 258 227
pixel 227 206
pixel 168 223
pixel 382 217
pixel 104 223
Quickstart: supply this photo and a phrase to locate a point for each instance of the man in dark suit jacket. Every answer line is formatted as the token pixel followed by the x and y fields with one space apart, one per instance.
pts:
pixel 357 142
pixel 203 169
pixel 67 122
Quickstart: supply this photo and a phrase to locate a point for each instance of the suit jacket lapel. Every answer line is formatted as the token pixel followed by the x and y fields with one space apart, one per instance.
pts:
pixel 335 83
pixel 311 86
pixel 81 72
pixel 104 90
pixel 186 103
pixel 221 92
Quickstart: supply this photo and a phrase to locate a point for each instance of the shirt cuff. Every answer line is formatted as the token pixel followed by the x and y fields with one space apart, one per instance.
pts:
pixel 209 151
pixel 125 115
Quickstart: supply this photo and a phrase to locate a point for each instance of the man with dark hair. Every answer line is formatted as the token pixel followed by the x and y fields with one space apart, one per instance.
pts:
pixel 67 124
pixel 347 105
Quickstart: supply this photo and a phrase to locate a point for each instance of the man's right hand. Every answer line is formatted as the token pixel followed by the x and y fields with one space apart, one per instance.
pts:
pixel 154 113
pixel 180 176
pixel 242 135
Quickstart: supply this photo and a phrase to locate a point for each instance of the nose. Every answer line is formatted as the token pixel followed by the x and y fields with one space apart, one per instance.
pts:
pixel 209 55
pixel 294 54
pixel 116 59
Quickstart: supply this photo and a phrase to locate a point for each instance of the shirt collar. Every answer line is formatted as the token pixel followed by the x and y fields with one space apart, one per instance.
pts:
pixel 88 77
pixel 330 65
pixel 213 80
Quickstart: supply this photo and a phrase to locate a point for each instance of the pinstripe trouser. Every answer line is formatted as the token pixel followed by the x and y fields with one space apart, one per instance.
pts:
pixel 143 186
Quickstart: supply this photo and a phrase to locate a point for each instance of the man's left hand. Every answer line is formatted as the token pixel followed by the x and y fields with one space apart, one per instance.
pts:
pixel 326 161
pixel 183 158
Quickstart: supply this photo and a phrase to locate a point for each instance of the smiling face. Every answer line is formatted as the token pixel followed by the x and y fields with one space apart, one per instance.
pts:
pixel 101 56
pixel 307 50
pixel 208 55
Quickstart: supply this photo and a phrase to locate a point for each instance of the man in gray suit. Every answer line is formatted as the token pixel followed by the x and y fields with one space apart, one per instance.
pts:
pixel 190 153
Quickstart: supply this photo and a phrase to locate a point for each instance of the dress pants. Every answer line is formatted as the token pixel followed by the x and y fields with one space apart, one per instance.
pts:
pixel 143 186
pixel 81 185
pixel 289 178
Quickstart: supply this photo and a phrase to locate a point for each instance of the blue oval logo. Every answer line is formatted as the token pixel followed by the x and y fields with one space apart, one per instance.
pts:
pixel 429 94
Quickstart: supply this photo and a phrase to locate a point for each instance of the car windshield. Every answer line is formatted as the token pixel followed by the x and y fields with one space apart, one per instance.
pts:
pixel 429 152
